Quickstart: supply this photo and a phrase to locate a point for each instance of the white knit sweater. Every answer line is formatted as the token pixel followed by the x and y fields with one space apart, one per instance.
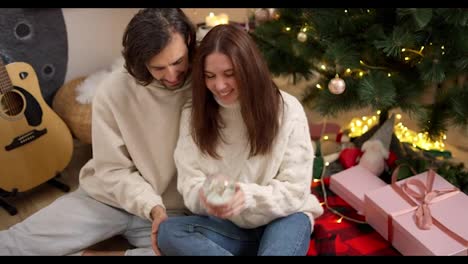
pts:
pixel 275 185
pixel 134 132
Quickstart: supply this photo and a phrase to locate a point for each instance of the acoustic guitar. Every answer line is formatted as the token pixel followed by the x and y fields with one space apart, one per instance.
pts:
pixel 35 144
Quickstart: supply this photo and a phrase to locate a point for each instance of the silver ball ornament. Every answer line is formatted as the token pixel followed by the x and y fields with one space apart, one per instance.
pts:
pixel 337 85
pixel 302 37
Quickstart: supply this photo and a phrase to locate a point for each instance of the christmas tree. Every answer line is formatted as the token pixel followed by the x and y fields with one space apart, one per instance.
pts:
pixel 380 58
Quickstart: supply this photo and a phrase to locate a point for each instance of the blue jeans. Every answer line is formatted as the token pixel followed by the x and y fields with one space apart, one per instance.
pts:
pixel 199 235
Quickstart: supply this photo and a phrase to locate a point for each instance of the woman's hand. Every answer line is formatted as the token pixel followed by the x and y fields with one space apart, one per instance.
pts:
pixel 231 208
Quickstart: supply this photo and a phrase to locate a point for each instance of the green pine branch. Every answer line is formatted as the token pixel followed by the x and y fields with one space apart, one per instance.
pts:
pixel 388 58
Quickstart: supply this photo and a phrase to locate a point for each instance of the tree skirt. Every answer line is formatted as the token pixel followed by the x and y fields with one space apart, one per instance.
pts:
pixel 346 238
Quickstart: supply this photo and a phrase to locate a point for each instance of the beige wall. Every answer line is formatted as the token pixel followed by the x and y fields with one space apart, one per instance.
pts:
pixel 94 38
pixel 95 34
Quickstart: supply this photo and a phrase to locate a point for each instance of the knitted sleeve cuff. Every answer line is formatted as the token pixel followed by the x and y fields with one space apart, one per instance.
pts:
pixel 148 202
pixel 248 194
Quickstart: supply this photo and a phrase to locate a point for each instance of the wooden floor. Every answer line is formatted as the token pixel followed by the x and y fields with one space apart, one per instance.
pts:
pixel 29 202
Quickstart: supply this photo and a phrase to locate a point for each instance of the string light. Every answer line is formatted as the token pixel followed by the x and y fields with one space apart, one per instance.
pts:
pixel 332 210
pixel 402 133
pixel 372 67
pixel 414 51
pixel 359 126
pixel 324 192
pixel 350 71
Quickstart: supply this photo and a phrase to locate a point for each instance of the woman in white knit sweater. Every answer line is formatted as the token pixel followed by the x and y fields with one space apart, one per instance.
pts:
pixel 240 125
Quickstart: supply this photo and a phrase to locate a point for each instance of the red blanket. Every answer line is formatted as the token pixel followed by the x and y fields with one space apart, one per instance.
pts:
pixel 345 238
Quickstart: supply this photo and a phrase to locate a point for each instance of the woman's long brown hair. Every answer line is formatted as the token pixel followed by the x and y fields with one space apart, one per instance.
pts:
pixel 259 97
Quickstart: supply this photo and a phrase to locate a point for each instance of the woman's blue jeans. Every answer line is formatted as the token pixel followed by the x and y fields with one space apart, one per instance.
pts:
pixel 199 235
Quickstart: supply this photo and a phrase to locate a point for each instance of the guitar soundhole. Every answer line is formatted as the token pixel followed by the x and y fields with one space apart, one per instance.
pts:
pixel 12 103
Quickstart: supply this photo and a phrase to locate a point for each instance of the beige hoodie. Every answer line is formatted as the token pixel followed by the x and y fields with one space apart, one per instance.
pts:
pixel 134 132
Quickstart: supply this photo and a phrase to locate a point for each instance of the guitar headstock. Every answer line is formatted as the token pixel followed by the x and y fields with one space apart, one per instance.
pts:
pixel 4 58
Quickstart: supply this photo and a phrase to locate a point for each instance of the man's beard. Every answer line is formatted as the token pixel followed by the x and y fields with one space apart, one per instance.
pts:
pixel 182 79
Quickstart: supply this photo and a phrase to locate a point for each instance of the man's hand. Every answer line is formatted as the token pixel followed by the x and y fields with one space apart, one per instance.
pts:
pixel 158 214
pixel 233 207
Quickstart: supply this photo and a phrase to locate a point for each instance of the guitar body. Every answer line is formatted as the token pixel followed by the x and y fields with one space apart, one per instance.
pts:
pixel 35 144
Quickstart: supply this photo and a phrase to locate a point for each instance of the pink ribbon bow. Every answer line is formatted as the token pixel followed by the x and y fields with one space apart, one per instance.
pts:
pixel 425 195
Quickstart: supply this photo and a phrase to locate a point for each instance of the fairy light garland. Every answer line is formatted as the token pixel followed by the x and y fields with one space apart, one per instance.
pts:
pixel 331 209
pixel 359 126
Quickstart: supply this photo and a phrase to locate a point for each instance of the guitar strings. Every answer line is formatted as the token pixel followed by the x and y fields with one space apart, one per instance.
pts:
pixel 6 82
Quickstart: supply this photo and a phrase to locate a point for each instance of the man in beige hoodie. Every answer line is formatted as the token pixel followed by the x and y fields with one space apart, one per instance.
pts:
pixel 129 186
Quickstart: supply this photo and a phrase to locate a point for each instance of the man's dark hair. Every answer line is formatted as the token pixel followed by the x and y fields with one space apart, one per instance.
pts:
pixel 148 33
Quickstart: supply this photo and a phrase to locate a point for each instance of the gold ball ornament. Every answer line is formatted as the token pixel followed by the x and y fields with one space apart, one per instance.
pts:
pixel 337 85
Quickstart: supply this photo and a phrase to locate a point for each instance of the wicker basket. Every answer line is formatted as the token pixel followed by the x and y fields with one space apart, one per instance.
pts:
pixel 77 116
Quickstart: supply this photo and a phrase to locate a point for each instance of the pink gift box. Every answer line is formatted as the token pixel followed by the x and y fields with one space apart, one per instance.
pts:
pixel 351 185
pixel 390 214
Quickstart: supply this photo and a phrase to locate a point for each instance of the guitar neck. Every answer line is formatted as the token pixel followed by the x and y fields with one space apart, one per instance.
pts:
pixel 5 81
